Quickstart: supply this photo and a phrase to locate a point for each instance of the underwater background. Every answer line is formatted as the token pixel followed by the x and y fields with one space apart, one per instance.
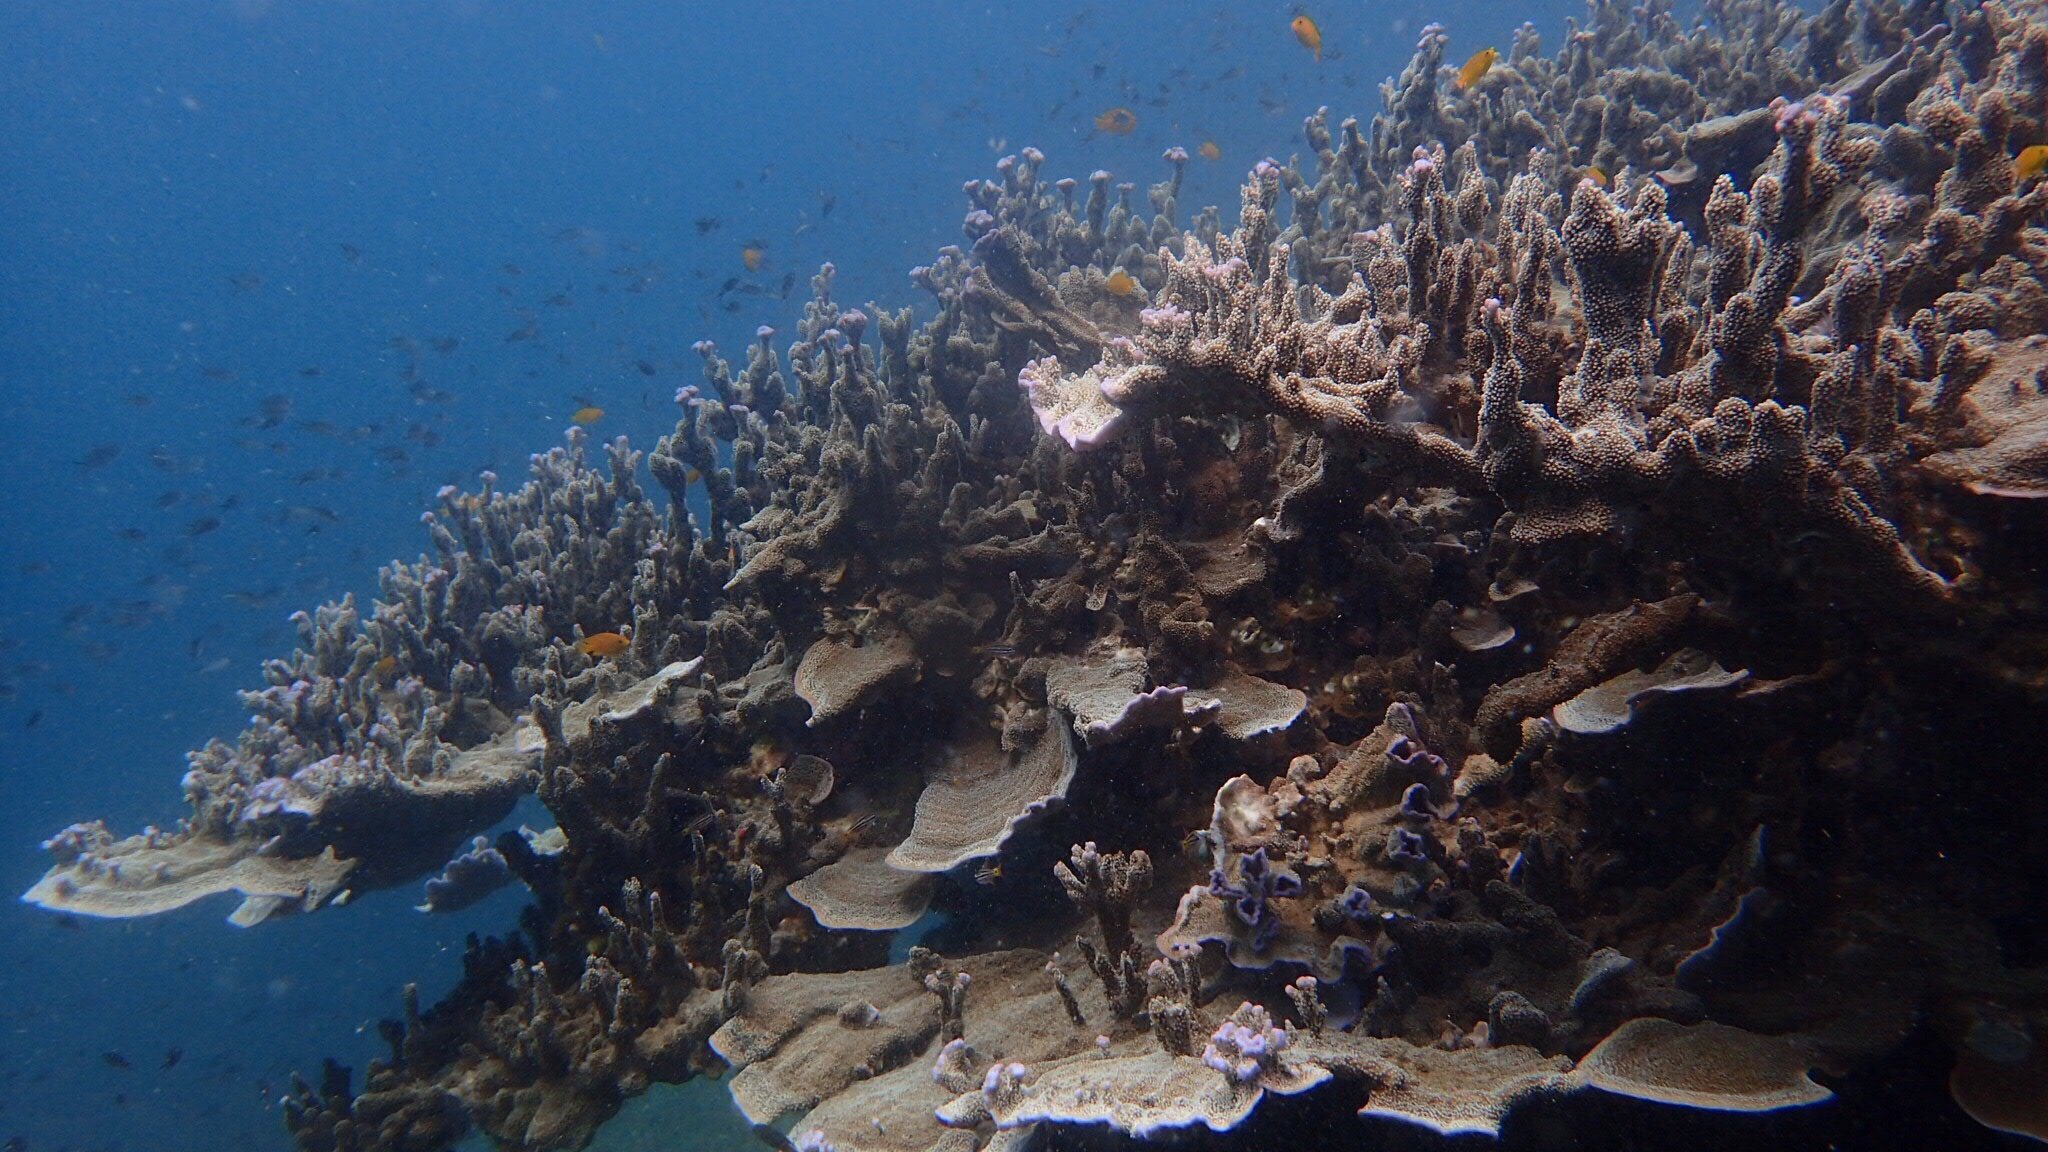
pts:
pixel 272 274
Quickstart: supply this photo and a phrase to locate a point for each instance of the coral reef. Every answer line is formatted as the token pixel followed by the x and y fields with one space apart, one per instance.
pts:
pixel 1555 616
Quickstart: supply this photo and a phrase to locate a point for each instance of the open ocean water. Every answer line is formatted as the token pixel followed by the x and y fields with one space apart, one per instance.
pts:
pixel 273 273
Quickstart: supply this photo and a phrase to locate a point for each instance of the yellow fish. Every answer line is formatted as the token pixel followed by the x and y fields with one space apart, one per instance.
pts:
pixel 1209 151
pixel 1598 175
pixel 1480 63
pixel 1120 283
pixel 587 415
pixel 599 644
pixel 754 257
pixel 1311 37
pixel 1116 121
pixel 383 668
pixel 2032 161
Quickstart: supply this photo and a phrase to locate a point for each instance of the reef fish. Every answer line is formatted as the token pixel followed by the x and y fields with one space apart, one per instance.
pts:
pixel 1116 121
pixel 602 644
pixel 1311 37
pixel 753 256
pixel 1477 67
pixel 1120 283
pixel 587 415
pixel 1209 151
pixel 2031 162
pixel 1598 175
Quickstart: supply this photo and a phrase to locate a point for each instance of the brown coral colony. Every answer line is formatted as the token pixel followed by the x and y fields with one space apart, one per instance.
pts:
pixel 1477 631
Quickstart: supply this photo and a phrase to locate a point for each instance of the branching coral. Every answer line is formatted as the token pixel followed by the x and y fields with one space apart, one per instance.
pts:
pixel 1399 500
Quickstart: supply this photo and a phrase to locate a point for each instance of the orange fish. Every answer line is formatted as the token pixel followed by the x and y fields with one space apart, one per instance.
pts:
pixel 1116 121
pixel 1311 37
pixel 383 668
pixel 587 415
pixel 754 256
pixel 1120 283
pixel 2031 162
pixel 1209 151
pixel 1598 175
pixel 1476 67
pixel 599 644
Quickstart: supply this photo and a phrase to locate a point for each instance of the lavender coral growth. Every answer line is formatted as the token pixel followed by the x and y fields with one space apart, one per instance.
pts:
pixel 1259 884
pixel 1246 1045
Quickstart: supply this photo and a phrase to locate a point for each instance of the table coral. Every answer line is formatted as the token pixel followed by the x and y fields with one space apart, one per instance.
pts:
pixel 1267 613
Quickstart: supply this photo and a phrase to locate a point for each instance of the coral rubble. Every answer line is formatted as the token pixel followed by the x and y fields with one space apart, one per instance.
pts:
pixel 1559 613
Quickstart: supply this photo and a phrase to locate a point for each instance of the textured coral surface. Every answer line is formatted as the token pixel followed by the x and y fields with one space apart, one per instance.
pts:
pixel 1546 609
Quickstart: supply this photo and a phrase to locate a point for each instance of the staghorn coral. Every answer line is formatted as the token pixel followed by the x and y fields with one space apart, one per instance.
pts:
pixel 1398 501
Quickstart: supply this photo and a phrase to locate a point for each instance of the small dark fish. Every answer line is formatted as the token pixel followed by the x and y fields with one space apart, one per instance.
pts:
pixel 511 269
pixel 527 331
pixel 645 368
pixel 788 282
pixel 559 300
pixel 224 375
pixel 131 534
pixel 99 457
pixel 263 599
pixel 731 283
pixel 202 526
pixel 34 718
pixel 246 282
pixel 426 394
pixel 732 306
pixel 171 1059
pixel 275 408
pixel 16 1144
pixel 352 254
pixel 310 371
pixel 446 345
pixel 69 923
pixel 138 400
pixel 115 1059
pixel 826 203
pixel 393 454
pixel 169 499
pixel 232 501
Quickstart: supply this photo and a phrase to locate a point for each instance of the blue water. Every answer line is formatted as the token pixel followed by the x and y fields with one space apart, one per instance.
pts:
pixel 349 207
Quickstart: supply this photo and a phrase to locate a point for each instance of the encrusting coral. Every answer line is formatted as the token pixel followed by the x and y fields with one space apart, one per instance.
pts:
pixel 1555 614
